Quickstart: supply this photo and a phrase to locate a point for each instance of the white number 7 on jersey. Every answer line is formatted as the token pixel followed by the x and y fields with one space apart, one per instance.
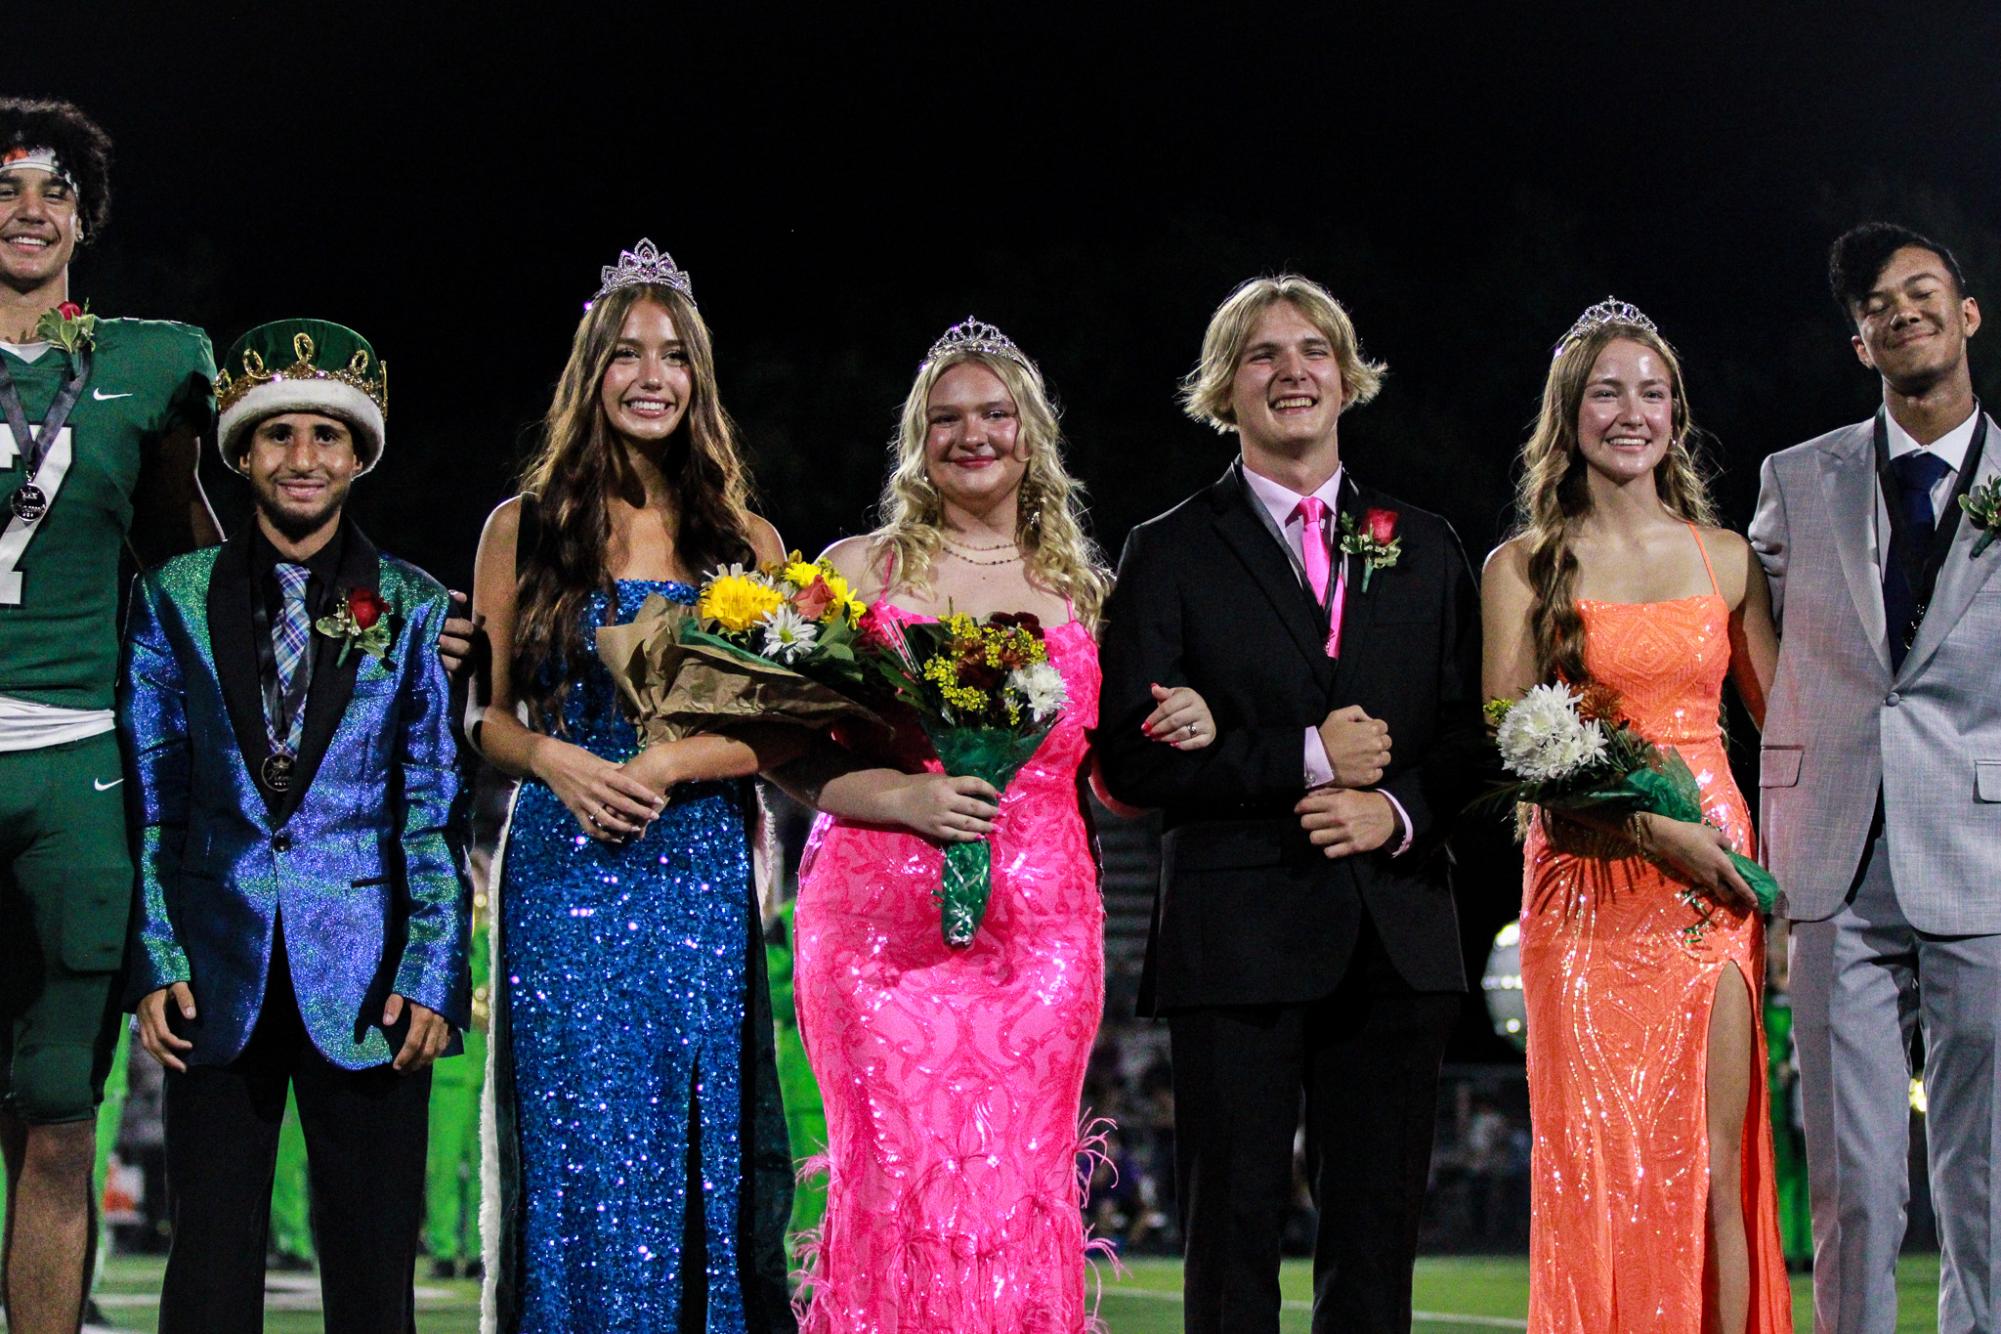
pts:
pixel 16 536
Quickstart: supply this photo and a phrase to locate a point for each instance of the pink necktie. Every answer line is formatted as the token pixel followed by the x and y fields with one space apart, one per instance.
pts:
pixel 1313 553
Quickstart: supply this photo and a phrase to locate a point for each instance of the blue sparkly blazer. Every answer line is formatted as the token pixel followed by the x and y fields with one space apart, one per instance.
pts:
pixel 357 856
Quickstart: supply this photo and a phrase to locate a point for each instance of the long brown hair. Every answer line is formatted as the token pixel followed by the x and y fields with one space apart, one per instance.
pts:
pixel 1551 495
pixel 1049 522
pixel 581 464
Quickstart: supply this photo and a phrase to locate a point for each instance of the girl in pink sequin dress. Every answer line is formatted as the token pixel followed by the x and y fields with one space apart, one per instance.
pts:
pixel 952 1076
pixel 1652 1199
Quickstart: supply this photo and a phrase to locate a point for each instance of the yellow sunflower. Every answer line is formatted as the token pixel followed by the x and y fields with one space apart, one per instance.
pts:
pixel 737 601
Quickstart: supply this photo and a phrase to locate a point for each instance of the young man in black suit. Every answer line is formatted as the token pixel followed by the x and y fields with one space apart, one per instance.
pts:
pixel 1304 940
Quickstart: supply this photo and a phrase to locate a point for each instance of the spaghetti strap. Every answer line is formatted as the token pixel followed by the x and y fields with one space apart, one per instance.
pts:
pixel 1696 533
pixel 888 569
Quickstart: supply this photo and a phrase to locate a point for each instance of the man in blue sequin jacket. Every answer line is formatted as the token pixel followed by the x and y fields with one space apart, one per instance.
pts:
pixel 303 913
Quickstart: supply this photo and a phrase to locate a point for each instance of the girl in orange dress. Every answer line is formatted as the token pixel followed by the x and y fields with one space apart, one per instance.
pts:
pixel 1642 953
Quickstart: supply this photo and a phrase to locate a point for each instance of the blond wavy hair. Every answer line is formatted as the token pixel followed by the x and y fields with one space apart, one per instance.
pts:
pixel 1049 523
pixel 1205 392
pixel 1551 495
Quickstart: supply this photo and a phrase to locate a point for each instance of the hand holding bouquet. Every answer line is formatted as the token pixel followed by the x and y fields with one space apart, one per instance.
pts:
pixel 1570 751
pixel 775 644
pixel 986 695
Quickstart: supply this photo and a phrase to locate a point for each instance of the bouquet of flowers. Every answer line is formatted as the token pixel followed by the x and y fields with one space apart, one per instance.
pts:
pixel 986 695
pixel 1571 751
pixel 773 644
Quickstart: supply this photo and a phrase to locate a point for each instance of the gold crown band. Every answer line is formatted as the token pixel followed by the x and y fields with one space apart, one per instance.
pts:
pixel 229 389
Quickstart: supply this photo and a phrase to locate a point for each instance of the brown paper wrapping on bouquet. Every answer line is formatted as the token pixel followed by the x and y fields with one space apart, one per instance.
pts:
pixel 675 681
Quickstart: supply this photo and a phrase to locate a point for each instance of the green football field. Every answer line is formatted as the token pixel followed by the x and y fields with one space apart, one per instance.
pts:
pixel 1453 1295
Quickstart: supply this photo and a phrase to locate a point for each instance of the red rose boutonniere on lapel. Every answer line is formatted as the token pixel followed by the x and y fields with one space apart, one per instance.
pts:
pixel 69 326
pixel 359 623
pixel 1375 540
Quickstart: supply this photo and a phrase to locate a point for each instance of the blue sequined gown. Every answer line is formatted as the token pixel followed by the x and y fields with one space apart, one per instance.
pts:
pixel 625 972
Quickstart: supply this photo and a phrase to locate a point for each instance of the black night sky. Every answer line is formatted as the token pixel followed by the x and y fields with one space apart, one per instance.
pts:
pixel 844 181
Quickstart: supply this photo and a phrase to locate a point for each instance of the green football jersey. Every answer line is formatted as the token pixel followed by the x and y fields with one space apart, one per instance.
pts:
pixel 59 575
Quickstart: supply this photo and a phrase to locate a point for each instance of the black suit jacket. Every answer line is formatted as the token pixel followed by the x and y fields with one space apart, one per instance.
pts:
pixel 1248 911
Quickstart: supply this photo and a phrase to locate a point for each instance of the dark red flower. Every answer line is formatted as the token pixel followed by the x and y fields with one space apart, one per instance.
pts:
pixel 1018 620
pixel 1381 525
pixel 1598 703
pixel 69 310
pixel 980 676
pixel 366 606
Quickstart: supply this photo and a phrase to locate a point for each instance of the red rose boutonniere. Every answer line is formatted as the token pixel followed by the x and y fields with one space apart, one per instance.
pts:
pixel 359 624
pixel 69 326
pixel 1375 540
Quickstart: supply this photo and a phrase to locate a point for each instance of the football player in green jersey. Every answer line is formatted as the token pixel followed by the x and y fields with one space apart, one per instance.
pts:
pixel 100 422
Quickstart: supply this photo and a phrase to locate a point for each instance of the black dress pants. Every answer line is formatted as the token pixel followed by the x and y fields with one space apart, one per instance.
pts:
pixel 1365 1060
pixel 365 1137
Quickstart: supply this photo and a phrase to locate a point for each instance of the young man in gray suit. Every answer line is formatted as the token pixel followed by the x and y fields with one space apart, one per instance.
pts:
pixel 1882 789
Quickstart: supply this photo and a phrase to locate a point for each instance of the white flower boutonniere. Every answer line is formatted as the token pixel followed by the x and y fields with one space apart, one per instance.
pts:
pixel 1983 509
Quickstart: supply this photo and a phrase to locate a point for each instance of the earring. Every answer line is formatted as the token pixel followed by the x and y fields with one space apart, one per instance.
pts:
pixel 929 506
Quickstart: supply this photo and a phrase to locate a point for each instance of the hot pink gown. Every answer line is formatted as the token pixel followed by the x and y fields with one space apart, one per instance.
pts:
pixel 952 1076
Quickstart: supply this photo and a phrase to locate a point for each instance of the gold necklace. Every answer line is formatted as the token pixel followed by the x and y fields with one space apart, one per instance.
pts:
pixel 998 546
pixel 951 550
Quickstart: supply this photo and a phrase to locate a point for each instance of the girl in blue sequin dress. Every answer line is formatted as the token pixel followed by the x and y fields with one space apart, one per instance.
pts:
pixel 643 1180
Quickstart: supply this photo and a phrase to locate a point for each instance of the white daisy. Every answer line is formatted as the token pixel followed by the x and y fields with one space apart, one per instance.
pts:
pixel 787 634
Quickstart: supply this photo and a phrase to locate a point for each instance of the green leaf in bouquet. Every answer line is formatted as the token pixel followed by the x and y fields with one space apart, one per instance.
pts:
pixel 692 635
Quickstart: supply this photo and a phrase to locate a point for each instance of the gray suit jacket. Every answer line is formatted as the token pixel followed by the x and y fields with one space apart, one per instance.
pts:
pixel 1840 726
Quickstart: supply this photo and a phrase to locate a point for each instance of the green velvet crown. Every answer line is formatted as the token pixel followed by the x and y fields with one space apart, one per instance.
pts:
pixel 303 366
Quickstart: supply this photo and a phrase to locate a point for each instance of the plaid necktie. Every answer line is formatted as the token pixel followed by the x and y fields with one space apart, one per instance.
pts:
pixel 290 638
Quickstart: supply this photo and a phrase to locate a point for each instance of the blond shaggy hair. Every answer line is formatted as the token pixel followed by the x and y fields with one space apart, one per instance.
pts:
pixel 1049 527
pixel 1205 393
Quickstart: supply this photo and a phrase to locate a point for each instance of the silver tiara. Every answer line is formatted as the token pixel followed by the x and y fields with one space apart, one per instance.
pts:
pixel 975 335
pixel 1609 311
pixel 644 263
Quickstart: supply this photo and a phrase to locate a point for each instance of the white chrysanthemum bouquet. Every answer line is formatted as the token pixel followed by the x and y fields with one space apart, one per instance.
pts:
pixel 1570 750
pixel 1543 737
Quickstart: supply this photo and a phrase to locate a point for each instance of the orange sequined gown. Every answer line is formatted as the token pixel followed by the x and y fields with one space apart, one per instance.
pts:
pixel 1618 1003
